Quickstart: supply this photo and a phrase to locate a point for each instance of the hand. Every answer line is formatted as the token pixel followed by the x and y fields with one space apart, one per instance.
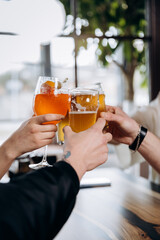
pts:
pixel 123 128
pixel 88 149
pixel 31 135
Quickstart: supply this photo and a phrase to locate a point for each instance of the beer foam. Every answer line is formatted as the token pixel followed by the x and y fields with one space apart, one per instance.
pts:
pixel 78 105
pixel 83 112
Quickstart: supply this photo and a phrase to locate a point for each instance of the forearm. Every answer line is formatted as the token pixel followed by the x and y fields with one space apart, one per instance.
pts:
pixel 76 164
pixel 6 158
pixel 150 150
pixel 40 203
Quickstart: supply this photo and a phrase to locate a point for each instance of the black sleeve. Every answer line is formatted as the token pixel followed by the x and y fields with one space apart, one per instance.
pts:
pixel 37 205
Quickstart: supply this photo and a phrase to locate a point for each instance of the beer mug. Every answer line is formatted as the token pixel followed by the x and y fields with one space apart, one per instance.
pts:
pixel 98 87
pixel 83 109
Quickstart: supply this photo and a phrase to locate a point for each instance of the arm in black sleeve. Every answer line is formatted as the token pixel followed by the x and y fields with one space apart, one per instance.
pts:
pixel 37 205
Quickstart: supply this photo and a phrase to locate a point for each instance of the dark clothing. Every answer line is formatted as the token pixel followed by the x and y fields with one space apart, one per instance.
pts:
pixel 37 205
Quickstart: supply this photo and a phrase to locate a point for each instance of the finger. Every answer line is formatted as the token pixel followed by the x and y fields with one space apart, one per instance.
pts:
pixel 47 135
pixel 47 141
pixel 99 124
pixel 67 131
pixel 112 117
pixel 47 118
pixel 48 128
pixel 116 110
pixel 110 109
pixel 107 137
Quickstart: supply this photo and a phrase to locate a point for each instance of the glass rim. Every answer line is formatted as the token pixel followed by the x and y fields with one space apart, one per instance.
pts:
pixel 62 90
pixel 48 78
pixel 84 91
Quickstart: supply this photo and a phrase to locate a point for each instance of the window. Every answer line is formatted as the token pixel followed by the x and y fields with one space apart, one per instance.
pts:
pixel 111 43
pixel 98 36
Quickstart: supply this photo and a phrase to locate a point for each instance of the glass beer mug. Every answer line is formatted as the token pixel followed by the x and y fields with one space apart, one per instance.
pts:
pixel 83 109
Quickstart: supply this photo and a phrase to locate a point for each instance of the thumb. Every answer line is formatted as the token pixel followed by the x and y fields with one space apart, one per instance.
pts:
pixel 99 124
pixel 108 137
pixel 67 131
pixel 47 118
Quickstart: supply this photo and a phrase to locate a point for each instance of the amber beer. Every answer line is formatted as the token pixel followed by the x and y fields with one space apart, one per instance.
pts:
pixel 80 121
pixel 61 125
pixel 102 107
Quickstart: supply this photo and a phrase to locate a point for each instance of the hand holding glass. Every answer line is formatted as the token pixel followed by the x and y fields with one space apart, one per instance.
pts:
pixel 49 99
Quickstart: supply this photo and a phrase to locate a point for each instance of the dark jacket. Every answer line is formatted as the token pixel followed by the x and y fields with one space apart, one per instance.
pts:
pixel 37 205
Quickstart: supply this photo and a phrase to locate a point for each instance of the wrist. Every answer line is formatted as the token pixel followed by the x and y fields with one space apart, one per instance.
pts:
pixel 75 162
pixel 9 154
pixel 134 134
pixel 139 139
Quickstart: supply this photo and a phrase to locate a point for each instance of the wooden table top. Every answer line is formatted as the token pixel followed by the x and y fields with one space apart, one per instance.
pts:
pixel 129 209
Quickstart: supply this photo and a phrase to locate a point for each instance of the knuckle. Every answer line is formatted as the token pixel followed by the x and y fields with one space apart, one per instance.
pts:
pixel 53 134
pixel 49 141
pixel 35 140
pixel 54 128
pixel 108 137
pixel 96 130
pixel 32 129
pixel 46 118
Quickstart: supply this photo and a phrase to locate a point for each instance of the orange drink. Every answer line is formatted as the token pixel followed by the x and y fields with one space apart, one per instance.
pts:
pixel 49 98
pixel 51 103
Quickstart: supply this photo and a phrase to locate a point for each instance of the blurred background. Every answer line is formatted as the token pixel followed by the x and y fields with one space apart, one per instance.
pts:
pixel 114 42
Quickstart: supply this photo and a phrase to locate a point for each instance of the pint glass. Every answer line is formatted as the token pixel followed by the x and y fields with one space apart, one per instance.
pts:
pixel 83 110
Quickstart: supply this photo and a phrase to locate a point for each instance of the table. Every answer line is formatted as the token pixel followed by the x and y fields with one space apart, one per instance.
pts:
pixel 127 210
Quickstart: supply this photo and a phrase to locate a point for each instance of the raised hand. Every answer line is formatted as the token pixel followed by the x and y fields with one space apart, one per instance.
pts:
pixel 123 128
pixel 88 149
pixel 31 135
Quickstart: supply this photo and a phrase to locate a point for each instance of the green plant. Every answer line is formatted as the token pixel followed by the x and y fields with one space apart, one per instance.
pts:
pixel 110 18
